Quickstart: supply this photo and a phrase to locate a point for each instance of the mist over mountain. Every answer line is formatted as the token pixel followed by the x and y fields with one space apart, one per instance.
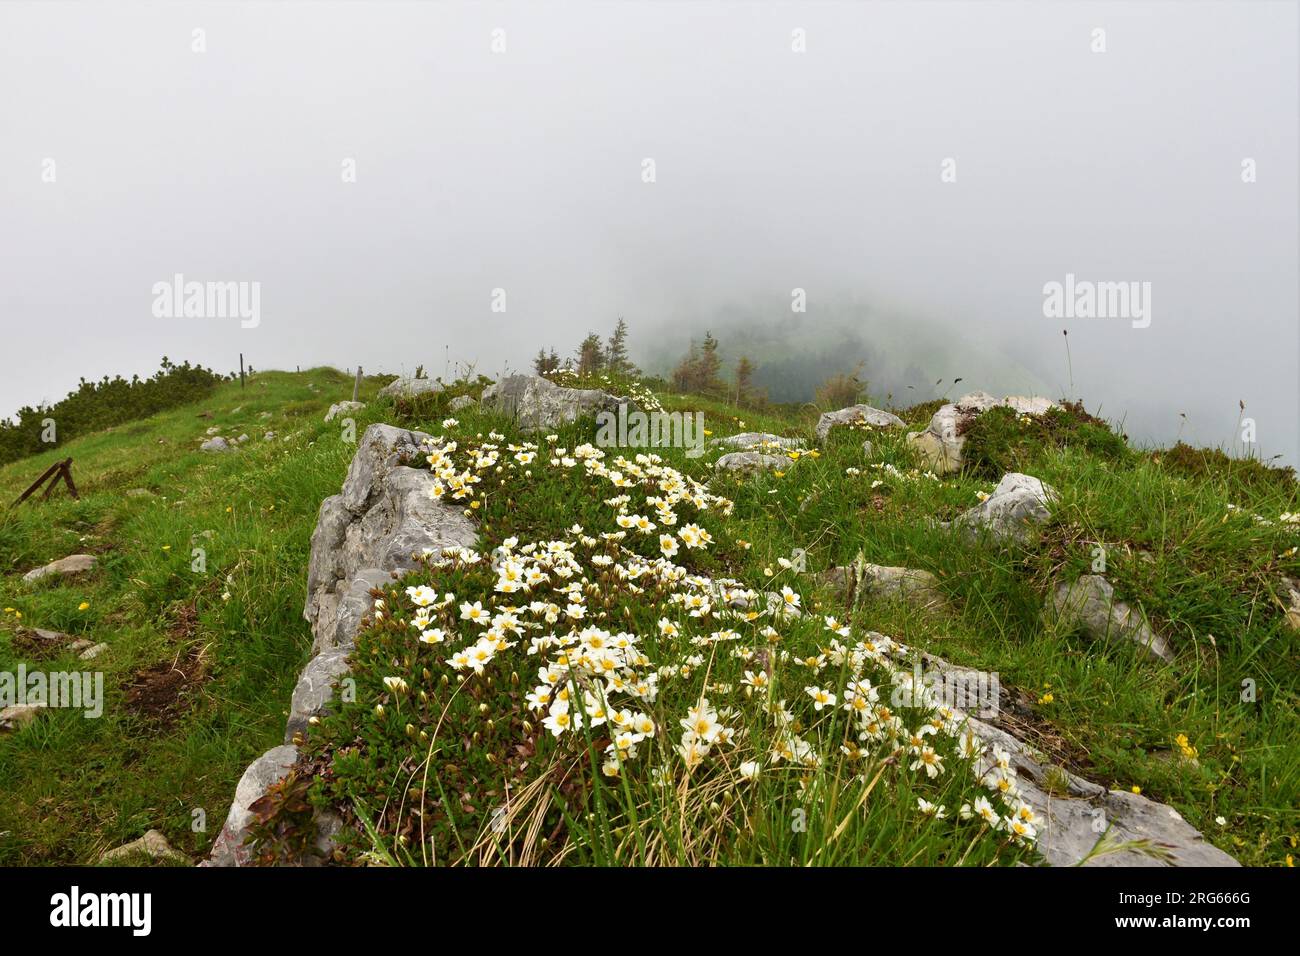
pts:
pixel 904 359
pixel 428 184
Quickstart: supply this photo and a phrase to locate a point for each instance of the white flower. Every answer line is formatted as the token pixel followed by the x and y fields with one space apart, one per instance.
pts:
pixel 930 810
pixel 821 698
pixel 749 770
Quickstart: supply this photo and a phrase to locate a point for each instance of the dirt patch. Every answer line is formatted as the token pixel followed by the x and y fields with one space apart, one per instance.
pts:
pixel 37 645
pixel 162 692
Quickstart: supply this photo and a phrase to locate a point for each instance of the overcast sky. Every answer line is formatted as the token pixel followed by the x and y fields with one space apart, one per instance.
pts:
pixel 523 170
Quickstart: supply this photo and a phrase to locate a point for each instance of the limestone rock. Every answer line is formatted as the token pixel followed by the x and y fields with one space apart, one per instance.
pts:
pixel 215 444
pixel 380 521
pixel 537 403
pixel 751 461
pixel 409 388
pixel 1017 505
pixel 1070 807
pixel 19 715
pixel 757 441
pixel 856 413
pixel 343 408
pixel 1291 596
pixel 461 402
pixel 920 588
pixel 377 525
pixel 90 653
pixel 315 689
pixel 72 564
pixel 1089 604
pixel 868 449
pixel 262 774
pixel 940 444
pixel 153 846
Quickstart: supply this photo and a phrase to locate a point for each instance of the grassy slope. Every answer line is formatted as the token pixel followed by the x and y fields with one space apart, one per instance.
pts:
pixel 74 787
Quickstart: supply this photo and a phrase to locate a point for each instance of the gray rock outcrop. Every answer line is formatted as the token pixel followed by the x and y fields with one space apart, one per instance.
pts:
pixel 757 441
pixel 410 388
pixel 856 413
pixel 215 444
pixel 1089 605
pixel 72 564
pixel 1017 506
pixel 19 715
pixel 537 403
pixel 379 525
pixel 751 461
pixel 343 408
pixel 940 444
pixel 152 846
pixel 1074 813
pixel 916 587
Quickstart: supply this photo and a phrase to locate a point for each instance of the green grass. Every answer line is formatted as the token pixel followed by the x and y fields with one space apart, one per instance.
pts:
pixel 75 787
pixel 1205 574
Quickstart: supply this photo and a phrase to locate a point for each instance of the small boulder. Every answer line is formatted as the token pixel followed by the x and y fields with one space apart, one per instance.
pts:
pixel 919 588
pixel 72 564
pixel 409 388
pixel 215 444
pixel 1017 505
pixel 343 408
pixel 1291 596
pixel 1089 604
pixel 90 653
pixel 868 449
pixel 856 413
pixel 152 846
pixel 241 439
pixel 915 586
pixel 940 444
pixel 757 441
pixel 19 715
pixel 537 403
pixel 751 461
pixel 461 402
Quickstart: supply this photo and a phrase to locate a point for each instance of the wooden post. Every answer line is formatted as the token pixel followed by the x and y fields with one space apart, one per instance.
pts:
pixel 56 471
pixel 241 369
pixel 356 384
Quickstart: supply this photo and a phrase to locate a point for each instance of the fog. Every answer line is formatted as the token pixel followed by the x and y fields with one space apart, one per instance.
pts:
pixel 523 169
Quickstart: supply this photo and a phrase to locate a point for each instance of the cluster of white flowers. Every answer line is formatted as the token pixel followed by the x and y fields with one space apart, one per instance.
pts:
pixel 592 676
pixel 890 471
